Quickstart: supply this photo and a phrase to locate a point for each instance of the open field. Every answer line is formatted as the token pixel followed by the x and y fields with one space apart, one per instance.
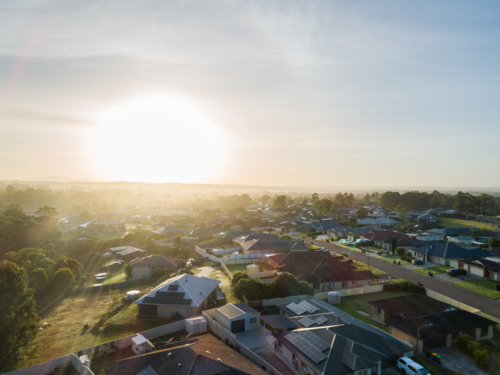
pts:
pixel 449 223
pixel 436 270
pixel 225 285
pixel 352 304
pixel 484 287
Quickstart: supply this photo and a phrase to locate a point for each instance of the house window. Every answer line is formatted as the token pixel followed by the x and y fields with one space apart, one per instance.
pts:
pixel 253 320
pixel 315 286
pixel 363 372
pixel 189 309
pixel 484 331
pixel 378 311
pixel 354 282
pixel 344 284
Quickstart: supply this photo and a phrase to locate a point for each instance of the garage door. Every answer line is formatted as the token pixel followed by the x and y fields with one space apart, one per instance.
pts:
pixel 151 310
pixel 435 342
pixel 238 326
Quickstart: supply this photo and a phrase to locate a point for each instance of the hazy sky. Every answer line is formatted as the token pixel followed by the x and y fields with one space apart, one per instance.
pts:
pixel 291 92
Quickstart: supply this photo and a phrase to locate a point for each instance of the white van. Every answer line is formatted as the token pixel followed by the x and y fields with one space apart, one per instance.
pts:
pixel 409 367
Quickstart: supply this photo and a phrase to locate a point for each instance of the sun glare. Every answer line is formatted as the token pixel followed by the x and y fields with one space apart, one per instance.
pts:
pixel 158 139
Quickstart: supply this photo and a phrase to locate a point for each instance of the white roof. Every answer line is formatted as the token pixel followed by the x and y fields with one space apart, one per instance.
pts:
pixel 196 288
pixel 139 339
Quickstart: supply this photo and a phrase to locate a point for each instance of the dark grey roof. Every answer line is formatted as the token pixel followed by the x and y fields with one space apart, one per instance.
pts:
pixel 278 321
pixel 167 362
pixel 245 308
pixel 411 306
pixel 449 250
pixel 289 312
pixel 332 319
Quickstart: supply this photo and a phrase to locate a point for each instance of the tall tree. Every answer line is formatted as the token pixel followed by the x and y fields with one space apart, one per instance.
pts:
pixel 314 198
pixel 361 213
pixel 280 202
pixel 402 212
pixel 18 318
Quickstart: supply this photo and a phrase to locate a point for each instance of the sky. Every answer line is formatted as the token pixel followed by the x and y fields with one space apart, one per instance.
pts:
pixel 281 93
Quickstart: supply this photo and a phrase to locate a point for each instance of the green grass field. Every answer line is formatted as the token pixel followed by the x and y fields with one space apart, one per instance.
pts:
pixel 449 223
pixel 353 304
pixel 233 268
pixel 390 258
pixel 309 246
pixel 484 287
pixel 436 270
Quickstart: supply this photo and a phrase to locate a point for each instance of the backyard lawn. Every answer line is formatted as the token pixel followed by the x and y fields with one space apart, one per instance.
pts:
pixel 483 287
pixel 233 268
pixel 118 278
pixel 436 270
pixel 449 223
pixel 225 285
pixel 353 304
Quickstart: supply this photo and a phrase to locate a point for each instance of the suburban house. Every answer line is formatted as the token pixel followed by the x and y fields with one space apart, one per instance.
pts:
pixel 446 253
pixel 103 227
pixel 338 350
pixel 485 267
pixel 381 222
pixel 238 317
pixel 169 230
pixel 129 253
pixel 202 233
pixel 145 267
pixel 383 238
pixel 451 232
pixel 71 222
pixel 466 242
pixel 201 355
pixel 405 307
pixel 267 243
pixel 302 309
pixel 323 272
pixel 232 233
pixel 427 218
pixel 355 233
pixel 441 330
pixel 323 226
pixel 184 295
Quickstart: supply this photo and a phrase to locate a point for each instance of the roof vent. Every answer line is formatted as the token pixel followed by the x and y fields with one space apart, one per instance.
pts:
pixel 179 365
pixel 208 352
pixel 168 355
pixel 219 360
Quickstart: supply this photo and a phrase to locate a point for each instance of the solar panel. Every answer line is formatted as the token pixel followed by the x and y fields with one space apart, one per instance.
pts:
pixel 296 308
pixel 308 307
pixel 169 294
pixel 305 347
pixel 321 320
pixel 314 340
pixel 167 301
pixel 306 322
pixel 173 288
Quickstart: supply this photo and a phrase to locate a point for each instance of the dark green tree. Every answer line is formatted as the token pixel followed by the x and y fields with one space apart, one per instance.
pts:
pixel 361 213
pixel 18 318
pixel 280 202
pixel 394 245
pixel 239 276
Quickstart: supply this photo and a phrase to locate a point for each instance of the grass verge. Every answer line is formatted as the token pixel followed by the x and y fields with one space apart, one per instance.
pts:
pixel 436 270
pixel 484 287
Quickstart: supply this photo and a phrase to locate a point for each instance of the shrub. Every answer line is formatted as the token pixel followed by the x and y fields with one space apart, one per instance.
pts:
pixel 488 345
pixel 472 347
pixel 335 238
pixel 463 342
pixel 480 357
pixel 497 287
pixel 405 286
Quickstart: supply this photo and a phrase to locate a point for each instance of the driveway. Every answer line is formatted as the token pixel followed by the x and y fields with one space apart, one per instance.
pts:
pixel 485 304
pixel 455 360
pixel 450 280
pixel 205 271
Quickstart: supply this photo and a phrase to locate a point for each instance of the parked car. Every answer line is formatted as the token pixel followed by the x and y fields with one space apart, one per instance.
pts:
pixel 454 272
pixel 409 367
pixel 417 262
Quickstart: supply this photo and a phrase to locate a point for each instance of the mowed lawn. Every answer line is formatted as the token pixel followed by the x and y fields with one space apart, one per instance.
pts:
pixel 483 287
pixel 436 270
pixel 353 304
pixel 449 223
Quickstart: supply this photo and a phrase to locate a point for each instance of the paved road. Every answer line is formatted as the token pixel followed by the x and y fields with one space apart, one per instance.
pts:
pixel 486 305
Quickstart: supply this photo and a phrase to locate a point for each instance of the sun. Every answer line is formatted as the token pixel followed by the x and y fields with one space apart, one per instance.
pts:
pixel 158 139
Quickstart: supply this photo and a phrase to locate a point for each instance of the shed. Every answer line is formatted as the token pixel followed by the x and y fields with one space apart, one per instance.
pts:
pixel 196 325
pixel 139 344
pixel 238 317
pixel 251 268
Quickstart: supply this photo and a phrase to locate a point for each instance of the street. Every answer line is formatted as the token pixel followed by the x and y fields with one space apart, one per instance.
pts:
pixel 486 305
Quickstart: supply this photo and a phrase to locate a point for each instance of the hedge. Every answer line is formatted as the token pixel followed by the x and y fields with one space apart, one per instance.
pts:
pixel 404 286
